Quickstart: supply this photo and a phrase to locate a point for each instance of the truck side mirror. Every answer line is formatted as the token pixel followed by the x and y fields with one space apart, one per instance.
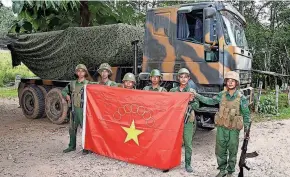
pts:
pixel 209 32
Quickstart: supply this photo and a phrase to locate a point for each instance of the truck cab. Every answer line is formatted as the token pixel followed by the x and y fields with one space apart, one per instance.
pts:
pixel 206 38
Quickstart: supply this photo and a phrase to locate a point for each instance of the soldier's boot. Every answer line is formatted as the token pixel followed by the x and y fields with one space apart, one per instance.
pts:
pixel 230 175
pixel 221 174
pixel 72 142
pixel 188 168
pixel 85 152
pixel 69 149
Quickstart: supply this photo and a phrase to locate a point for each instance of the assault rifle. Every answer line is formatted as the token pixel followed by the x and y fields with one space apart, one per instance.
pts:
pixel 71 109
pixel 245 155
pixel 188 112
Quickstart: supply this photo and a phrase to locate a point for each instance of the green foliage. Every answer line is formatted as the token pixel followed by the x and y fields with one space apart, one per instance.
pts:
pixel 6 20
pixel 8 93
pixel 283 101
pixel 269 35
pixel 103 13
pixel 42 16
pixel 267 106
pixel 7 73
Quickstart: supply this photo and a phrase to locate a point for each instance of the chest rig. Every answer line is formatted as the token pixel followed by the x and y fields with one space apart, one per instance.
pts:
pixel 229 113
pixel 77 93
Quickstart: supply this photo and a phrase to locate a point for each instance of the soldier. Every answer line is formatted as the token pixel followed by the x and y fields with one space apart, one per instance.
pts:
pixel 105 72
pixel 183 76
pixel 75 89
pixel 129 81
pixel 233 115
pixel 155 77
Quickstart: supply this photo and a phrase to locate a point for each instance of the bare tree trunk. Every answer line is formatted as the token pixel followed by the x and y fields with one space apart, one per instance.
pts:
pixel 84 13
pixel 277 96
pixel 241 8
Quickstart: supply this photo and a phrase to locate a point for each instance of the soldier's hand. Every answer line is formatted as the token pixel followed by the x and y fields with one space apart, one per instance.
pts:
pixel 67 98
pixel 192 97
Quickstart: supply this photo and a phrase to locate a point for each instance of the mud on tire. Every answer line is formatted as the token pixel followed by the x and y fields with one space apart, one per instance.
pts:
pixel 32 102
pixel 56 107
pixel 44 91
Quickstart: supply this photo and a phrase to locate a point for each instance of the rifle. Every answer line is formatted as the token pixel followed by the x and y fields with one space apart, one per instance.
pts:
pixel 188 112
pixel 71 109
pixel 245 155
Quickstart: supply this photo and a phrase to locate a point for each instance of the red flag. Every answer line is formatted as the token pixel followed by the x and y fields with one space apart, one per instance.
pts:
pixel 141 127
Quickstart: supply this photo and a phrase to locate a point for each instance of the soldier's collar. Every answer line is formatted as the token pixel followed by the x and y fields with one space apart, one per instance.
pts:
pixel 186 88
pixel 158 87
pixel 80 82
pixel 234 95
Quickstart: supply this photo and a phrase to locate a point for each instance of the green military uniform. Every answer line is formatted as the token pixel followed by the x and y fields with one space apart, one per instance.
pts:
pixel 155 72
pixel 106 66
pixel 233 115
pixel 78 119
pixel 108 83
pixel 157 89
pixel 74 88
pixel 129 77
pixel 228 139
pixel 188 127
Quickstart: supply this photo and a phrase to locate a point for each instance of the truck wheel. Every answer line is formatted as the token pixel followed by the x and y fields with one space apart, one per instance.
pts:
pixel 56 107
pixel 44 91
pixel 32 102
pixel 20 91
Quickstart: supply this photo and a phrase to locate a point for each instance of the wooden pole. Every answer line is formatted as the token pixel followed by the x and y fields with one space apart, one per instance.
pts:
pixel 259 96
pixel 277 96
pixel 288 96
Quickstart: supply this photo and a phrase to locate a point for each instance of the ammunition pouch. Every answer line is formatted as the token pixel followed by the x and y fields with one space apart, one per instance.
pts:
pixel 229 114
pixel 191 116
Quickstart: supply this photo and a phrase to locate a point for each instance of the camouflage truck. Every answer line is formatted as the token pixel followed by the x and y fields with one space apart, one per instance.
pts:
pixel 208 38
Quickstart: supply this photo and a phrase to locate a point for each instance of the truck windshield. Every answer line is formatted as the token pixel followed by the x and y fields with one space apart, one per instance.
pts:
pixel 235 30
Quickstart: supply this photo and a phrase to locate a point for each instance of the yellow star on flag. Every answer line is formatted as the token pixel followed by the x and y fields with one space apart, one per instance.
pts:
pixel 132 133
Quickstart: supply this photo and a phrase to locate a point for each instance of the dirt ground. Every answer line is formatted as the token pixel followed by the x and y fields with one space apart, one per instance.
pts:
pixel 34 148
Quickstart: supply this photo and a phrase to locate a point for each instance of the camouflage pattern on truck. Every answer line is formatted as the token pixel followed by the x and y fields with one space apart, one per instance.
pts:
pixel 54 55
pixel 175 39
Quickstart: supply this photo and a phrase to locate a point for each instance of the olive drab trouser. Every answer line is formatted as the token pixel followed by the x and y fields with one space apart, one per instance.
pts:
pixel 227 144
pixel 187 139
pixel 78 121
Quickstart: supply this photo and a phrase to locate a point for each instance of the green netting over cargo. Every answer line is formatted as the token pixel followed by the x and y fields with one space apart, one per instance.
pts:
pixel 54 55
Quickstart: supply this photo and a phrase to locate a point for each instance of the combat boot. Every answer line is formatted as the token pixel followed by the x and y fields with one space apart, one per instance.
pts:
pixel 188 168
pixel 221 174
pixel 69 149
pixel 85 152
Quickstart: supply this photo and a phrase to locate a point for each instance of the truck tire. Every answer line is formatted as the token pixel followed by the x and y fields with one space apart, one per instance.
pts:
pixel 44 91
pixel 20 91
pixel 56 107
pixel 32 102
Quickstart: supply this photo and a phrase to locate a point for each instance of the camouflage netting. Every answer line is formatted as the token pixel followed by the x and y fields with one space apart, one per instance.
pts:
pixel 54 55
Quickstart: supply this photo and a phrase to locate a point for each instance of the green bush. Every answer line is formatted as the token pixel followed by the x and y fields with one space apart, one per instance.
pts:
pixel 7 73
pixel 267 105
pixel 283 101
